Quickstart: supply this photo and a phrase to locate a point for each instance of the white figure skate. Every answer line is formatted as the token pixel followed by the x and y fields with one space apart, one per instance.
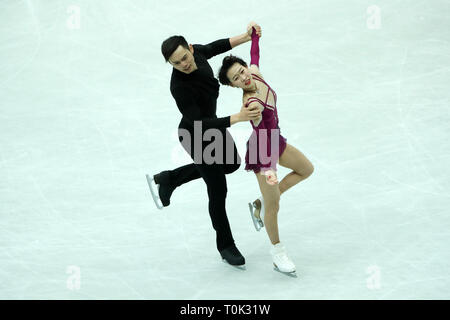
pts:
pixel 281 261
pixel 257 213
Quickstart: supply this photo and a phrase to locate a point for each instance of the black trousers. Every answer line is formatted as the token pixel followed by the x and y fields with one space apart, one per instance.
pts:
pixel 214 177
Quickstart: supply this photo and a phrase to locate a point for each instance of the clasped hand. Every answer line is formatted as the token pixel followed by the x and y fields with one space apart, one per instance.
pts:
pixel 257 28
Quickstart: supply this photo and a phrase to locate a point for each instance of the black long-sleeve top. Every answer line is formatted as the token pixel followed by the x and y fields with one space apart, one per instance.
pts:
pixel 196 93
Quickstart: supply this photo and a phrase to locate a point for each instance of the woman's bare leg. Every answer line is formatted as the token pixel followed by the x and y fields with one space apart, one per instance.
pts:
pixel 301 167
pixel 271 196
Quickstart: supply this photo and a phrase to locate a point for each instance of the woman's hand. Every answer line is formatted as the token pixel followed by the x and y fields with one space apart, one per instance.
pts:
pixel 249 113
pixel 257 28
pixel 271 177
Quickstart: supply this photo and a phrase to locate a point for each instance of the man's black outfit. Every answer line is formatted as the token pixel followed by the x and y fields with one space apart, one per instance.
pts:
pixel 196 97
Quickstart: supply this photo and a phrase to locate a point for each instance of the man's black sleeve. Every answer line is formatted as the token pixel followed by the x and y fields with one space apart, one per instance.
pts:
pixel 214 48
pixel 191 110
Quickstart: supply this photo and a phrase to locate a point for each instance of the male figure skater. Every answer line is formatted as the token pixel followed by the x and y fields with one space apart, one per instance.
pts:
pixel 195 90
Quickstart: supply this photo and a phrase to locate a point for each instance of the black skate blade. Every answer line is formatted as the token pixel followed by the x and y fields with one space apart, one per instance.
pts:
pixel 289 274
pixel 241 267
pixel 154 193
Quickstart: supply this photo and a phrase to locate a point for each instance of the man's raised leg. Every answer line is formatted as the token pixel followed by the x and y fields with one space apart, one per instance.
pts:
pixel 164 183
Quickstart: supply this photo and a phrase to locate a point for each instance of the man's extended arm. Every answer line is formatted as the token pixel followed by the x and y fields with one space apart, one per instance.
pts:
pixel 240 39
pixel 191 111
pixel 245 37
pixel 223 45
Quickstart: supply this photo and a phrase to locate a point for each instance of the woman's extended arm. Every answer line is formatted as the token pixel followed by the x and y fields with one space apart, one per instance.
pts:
pixel 254 50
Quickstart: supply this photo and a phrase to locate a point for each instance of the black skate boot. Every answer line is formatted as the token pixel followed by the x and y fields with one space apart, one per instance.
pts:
pixel 165 188
pixel 161 188
pixel 233 257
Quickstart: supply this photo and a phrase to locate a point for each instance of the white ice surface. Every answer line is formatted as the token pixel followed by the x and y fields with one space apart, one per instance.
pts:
pixel 86 113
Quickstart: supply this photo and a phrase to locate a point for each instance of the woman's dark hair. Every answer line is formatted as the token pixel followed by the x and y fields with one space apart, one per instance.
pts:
pixel 171 44
pixel 227 63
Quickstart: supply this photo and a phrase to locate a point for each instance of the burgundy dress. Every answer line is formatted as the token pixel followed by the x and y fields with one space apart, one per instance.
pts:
pixel 267 131
pixel 259 146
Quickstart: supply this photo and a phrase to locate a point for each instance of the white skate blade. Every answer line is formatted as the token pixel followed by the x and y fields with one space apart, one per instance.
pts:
pixel 292 274
pixel 242 267
pixel 255 220
pixel 152 185
pixel 261 223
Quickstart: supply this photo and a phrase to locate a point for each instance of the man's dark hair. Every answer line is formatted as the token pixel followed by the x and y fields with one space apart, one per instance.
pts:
pixel 227 63
pixel 171 44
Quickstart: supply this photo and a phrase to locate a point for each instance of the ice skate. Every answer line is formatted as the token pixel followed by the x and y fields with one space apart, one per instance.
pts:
pixel 160 188
pixel 154 189
pixel 281 261
pixel 257 213
pixel 233 257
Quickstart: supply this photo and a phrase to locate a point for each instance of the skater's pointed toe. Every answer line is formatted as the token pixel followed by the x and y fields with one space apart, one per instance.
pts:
pixel 232 256
pixel 256 221
pixel 257 213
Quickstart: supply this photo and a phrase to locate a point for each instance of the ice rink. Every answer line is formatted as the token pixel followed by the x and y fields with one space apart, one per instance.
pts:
pixel 86 113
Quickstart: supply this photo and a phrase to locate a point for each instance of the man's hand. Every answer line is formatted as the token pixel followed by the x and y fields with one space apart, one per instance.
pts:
pixel 249 113
pixel 257 28
pixel 245 37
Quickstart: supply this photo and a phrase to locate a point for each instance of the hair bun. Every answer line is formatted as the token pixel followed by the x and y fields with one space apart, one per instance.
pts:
pixel 228 58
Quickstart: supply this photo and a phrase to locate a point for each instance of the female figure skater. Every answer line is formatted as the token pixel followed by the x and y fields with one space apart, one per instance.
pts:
pixel 257 92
